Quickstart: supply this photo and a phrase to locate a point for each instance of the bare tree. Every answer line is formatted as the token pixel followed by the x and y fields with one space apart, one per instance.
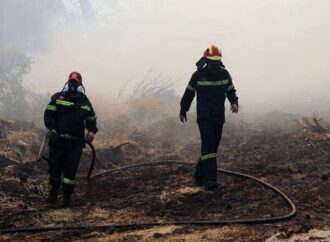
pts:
pixel 316 127
pixel 150 85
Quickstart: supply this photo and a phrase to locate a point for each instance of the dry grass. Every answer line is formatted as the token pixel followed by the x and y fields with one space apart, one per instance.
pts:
pixel 185 190
pixel 154 132
pixel 176 233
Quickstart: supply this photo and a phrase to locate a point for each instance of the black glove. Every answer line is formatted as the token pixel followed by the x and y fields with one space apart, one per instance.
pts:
pixel 183 116
pixel 51 134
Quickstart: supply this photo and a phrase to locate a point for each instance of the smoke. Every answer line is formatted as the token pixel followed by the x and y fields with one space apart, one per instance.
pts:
pixel 276 51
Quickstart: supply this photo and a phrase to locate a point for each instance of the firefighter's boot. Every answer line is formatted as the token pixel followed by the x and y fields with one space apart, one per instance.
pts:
pixel 55 184
pixel 211 174
pixel 211 185
pixel 66 202
pixel 52 196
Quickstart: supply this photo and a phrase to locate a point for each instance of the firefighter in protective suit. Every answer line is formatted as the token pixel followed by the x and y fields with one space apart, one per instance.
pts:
pixel 212 84
pixel 67 116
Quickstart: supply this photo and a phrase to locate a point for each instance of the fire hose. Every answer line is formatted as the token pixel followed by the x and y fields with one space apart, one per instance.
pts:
pixel 135 226
pixel 68 137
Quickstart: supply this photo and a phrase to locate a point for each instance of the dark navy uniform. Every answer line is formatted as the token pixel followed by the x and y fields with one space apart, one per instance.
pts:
pixel 212 89
pixel 67 115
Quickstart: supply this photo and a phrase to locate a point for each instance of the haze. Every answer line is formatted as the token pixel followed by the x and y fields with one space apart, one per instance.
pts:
pixel 276 50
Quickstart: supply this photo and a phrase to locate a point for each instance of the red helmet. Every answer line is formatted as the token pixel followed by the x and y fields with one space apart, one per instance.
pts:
pixel 75 76
pixel 213 53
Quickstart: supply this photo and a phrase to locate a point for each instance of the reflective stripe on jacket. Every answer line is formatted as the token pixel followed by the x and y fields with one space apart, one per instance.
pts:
pixel 211 90
pixel 70 115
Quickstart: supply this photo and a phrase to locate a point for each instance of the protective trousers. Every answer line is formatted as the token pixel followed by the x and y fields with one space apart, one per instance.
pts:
pixel 64 161
pixel 206 168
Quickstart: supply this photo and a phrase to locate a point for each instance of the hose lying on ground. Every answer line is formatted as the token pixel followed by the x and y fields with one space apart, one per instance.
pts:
pixel 134 226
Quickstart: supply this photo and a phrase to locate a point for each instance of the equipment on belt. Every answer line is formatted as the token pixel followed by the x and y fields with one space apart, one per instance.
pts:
pixel 68 137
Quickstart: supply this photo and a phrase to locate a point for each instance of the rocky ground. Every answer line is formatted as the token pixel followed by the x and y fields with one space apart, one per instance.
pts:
pixel 276 149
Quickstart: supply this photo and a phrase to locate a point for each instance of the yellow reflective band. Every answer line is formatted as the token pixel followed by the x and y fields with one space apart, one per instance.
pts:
pixel 191 88
pixel 51 107
pixel 212 83
pixel 64 103
pixel 210 50
pixel 68 181
pixel 209 156
pixel 86 107
pixel 91 118
pixel 217 57
pixel 230 87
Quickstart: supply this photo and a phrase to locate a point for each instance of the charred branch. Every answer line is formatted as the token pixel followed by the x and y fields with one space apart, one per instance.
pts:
pixel 316 127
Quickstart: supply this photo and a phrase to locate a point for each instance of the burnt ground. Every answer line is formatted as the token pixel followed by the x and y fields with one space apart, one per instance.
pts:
pixel 295 161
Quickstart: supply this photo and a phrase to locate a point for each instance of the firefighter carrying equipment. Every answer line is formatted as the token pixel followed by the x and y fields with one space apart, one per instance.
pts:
pixel 68 115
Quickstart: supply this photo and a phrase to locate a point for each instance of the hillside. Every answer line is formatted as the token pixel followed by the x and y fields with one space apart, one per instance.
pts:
pixel 294 160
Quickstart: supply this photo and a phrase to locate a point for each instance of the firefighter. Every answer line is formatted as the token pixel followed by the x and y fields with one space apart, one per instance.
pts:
pixel 67 116
pixel 211 83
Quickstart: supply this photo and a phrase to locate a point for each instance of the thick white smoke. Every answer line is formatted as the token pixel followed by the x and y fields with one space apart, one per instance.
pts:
pixel 276 51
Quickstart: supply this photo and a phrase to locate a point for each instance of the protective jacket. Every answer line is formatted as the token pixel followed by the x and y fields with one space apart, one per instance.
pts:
pixel 70 115
pixel 211 88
